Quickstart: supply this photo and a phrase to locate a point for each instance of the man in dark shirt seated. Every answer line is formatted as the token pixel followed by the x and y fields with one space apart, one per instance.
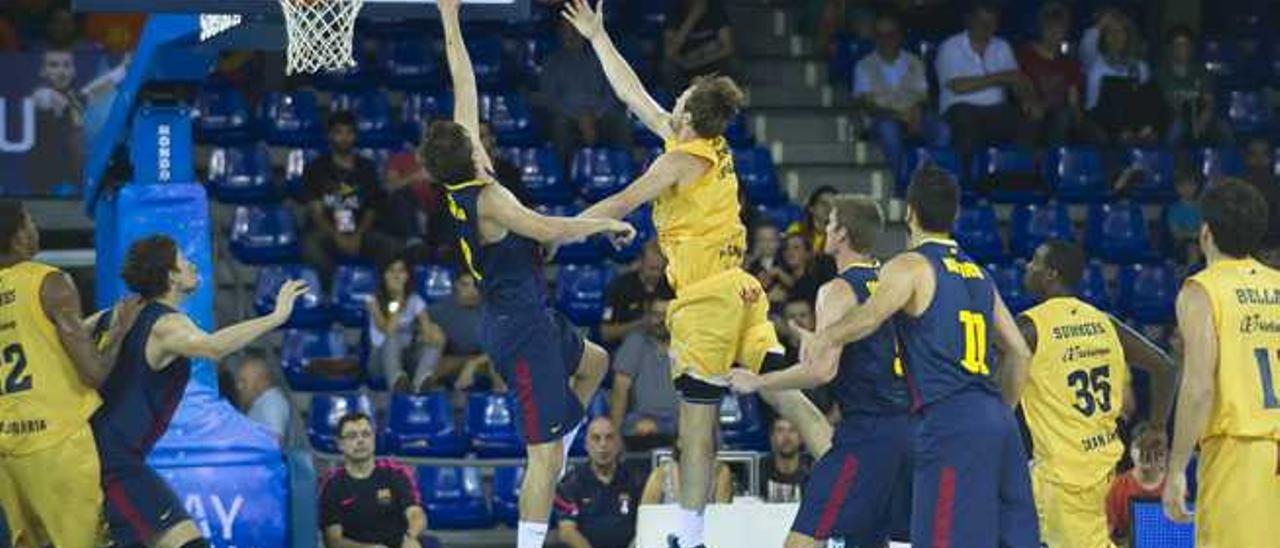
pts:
pixel 785 470
pixel 366 502
pixel 342 196
pixel 628 293
pixel 597 503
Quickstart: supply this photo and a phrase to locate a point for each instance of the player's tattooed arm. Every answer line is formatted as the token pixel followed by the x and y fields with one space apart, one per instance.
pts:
pixel 175 335
pixel 1195 399
pixel 834 297
pixel 670 169
pixel 1146 355
pixel 61 303
pixel 466 100
pixel 498 205
pixel 1015 355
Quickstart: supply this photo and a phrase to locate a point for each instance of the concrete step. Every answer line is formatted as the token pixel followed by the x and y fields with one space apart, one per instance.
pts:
pixel 827 154
pixel 785 72
pixel 770 44
pixel 800 181
pixel 800 126
pixel 752 21
pixel 772 95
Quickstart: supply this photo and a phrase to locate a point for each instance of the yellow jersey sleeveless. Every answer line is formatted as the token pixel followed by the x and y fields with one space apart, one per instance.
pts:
pixel 699 228
pixel 42 400
pixel 1245 296
pixel 1075 391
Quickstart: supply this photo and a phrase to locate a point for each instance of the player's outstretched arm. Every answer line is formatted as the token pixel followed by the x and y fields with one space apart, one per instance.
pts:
pixel 1195 399
pixel 670 169
pixel 834 297
pixel 1146 355
pixel 500 206
pixel 1015 354
pixel 897 285
pixel 626 84
pixel 466 100
pixel 176 335
pixel 61 303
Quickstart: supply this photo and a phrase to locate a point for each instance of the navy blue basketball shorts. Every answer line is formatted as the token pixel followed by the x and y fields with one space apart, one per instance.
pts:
pixel 860 490
pixel 140 505
pixel 972 482
pixel 536 354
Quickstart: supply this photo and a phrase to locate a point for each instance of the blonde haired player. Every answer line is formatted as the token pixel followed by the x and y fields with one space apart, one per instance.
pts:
pixel 719 316
pixel 1229 315
pixel 1074 397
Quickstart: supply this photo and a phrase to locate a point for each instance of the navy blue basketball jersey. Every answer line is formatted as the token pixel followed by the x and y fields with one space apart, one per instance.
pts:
pixel 509 271
pixel 870 378
pixel 138 401
pixel 947 349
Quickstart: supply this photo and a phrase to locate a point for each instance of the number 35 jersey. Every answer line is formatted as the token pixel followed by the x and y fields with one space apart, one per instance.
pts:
pixel 41 397
pixel 1075 391
pixel 1245 298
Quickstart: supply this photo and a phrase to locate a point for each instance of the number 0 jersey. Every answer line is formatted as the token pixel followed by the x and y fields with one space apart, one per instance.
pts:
pixel 1245 297
pixel 41 397
pixel 1075 391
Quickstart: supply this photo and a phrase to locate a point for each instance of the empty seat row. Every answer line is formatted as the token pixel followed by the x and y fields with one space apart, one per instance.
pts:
pixel 1114 232
pixel 1144 294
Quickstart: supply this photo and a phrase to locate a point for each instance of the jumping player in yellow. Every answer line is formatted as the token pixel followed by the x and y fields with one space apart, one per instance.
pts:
pixel 719 316
pixel 1229 315
pixel 50 368
pixel 1074 396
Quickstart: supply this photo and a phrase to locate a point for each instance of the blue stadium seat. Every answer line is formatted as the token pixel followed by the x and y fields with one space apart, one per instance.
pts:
pixel 223 117
pixel 1146 292
pixel 300 346
pixel 454 497
pixel 1002 167
pixel 292 119
pixel 374 125
pixel 418 110
pixel 434 282
pixel 295 165
pixel 742 424
pixel 486 60
pixel 1220 58
pixel 1155 184
pixel 325 412
pixel 580 292
pixel 510 118
pixel 1117 233
pixel 642 219
pixel 310 310
pixel 945 159
pixel 1031 224
pixel 1093 286
pixel 1076 174
pixel 848 51
pixel 978 232
pixel 1009 280
pixel 353 286
pixel 781 215
pixel 412 64
pixel 758 176
pixel 423 426
pixel 242 175
pixel 542 174
pixel 588 252
pixel 598 173
pixel 1249 112
pixel 264 235
pixel 1214 163
pixel 491 423
pixel 506 494
pixel 738 133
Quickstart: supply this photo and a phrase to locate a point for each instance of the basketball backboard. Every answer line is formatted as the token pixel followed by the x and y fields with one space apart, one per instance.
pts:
pixel 482 9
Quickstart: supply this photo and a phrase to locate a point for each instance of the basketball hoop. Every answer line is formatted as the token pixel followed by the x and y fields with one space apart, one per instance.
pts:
pixel 320 34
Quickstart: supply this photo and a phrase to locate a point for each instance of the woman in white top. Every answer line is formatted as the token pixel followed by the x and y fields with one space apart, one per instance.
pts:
pixel 1131 110
pixel 400 331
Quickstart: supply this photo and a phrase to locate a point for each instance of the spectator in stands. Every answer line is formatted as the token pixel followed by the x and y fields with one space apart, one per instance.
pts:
pixel 786 468
pixel 800 276
pixel 663 485
pixel 813 227
pixel 1188 91
pixel 404 343
pixel 975 70
pixel 891 86
pixel 624 312
pixel 407 183
pixel 61 106
pixel 763 256
pixel 1183 218
pixel 367 501
pixel 342 197
pixel 697 40
pixel 644 400
pixel 1118 90
pixel 1104 17
pixel 847 18
pixel 463 360
pixel 598 503
pixel 1144 481
pixel 581 105
pixel 260 398
pixel 801 313
pixel 1056 77
pixel 1260 170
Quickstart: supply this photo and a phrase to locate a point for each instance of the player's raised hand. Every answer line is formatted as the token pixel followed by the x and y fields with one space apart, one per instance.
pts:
pixel 621 233
pixel 589 22
pixel 1175 497
pixel 744 382
pixel 449 7
pixel 287 296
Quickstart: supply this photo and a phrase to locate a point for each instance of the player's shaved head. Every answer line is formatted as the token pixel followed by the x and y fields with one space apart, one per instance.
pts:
pixel 1236 214
pixel 712 103
pixel 1065 258
pixel 13 217
pixel 861 220
pixel 448 153
pixel 934 199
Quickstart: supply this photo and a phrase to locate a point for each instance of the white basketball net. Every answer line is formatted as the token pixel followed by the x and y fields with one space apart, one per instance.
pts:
pixel 320 34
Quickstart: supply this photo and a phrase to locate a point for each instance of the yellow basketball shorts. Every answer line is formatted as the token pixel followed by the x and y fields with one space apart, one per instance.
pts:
pixel 717 322
pixel 54 495
pixel 1239 500
pixel 1071 516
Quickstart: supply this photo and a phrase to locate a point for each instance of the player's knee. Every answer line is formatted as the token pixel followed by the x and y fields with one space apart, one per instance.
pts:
pixel 545 461
pixel 596 362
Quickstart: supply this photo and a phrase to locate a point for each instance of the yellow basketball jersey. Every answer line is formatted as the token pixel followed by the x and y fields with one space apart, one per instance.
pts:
pixel 1245 296
pixel 1075 391
pixel 41 397
pixel 698 225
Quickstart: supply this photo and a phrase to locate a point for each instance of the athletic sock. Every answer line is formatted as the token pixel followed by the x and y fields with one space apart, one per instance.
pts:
pixel 530 534
pixel 691 527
